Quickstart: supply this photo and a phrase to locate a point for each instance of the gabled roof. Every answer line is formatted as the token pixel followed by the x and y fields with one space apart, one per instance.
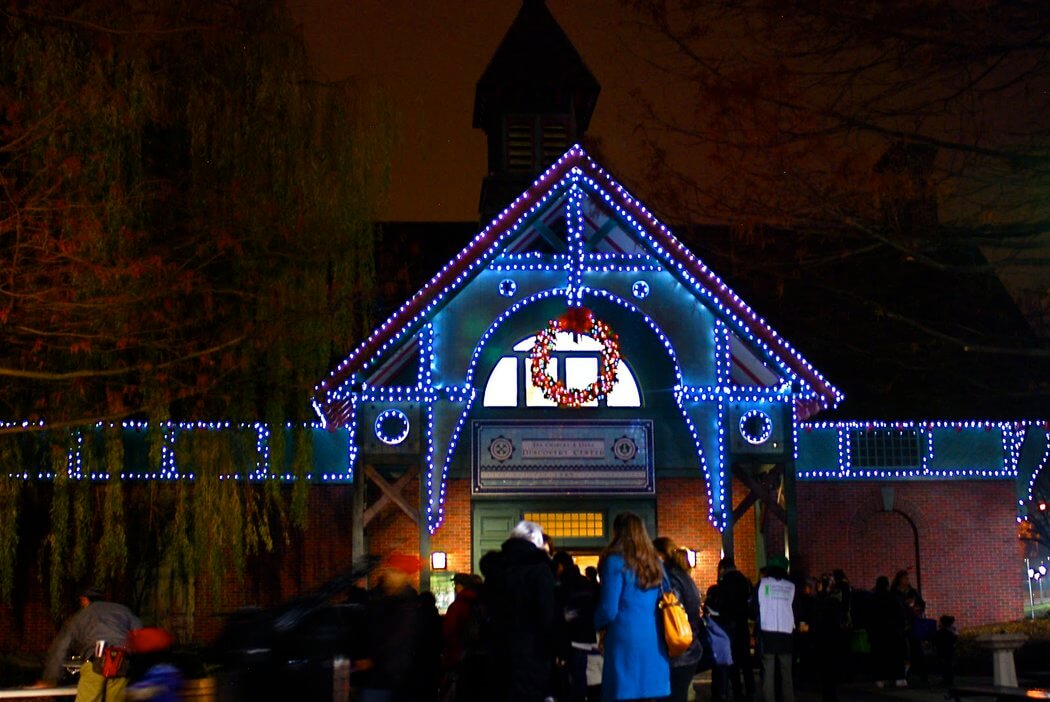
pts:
pixel 334 406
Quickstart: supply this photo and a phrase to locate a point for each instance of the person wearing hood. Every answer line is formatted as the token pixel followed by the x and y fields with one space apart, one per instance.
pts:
pixel 520 584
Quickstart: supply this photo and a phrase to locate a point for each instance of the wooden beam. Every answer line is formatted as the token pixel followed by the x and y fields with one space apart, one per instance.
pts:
pixel 744 506
pixel 391 493
pixel 358 547
pixel 763 492
pixel 424 540
pixel 597 237
pixel 555 241
pixel 791 500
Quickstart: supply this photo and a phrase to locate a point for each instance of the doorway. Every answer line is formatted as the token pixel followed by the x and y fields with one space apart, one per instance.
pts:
pixel 584 560
pixel 581 526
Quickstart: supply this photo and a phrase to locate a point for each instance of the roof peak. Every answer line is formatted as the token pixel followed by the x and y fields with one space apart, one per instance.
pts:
pixel 333 404
pixel 535 53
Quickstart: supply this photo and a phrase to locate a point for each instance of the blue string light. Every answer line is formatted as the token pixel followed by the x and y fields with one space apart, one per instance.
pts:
pixel 748 432
pixel 576 174
pixel 1005 466
pixel 169 469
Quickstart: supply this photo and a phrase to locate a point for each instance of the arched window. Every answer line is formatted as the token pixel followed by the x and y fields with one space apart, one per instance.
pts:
pixel 575 356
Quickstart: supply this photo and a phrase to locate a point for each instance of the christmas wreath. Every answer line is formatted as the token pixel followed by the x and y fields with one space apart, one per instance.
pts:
pixel 578 320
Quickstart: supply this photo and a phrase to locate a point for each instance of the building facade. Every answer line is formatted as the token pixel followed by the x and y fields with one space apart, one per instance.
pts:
pixel 576 360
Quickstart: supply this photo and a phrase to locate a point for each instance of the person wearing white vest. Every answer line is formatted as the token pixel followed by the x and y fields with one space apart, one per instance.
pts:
pixel 776 622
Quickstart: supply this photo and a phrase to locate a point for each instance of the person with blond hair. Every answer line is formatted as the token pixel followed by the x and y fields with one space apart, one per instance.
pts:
pixel 636 663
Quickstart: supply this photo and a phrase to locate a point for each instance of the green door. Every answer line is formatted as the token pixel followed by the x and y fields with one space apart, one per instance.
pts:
pixel 492 524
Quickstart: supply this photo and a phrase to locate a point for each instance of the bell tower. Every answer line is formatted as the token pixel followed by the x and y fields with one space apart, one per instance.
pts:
pixel 534 100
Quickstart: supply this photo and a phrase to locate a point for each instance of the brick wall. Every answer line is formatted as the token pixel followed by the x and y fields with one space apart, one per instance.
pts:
pixel 454 535
pixel 681 513
pixel 968 547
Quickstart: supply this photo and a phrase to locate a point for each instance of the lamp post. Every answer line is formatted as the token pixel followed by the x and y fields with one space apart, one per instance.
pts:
pixel 1031 597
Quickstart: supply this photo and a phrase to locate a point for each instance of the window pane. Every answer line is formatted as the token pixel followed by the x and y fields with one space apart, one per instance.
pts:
pixel 533 395
pixel 625 392
pixel 569 524
pixel 502 388
pixel 581 372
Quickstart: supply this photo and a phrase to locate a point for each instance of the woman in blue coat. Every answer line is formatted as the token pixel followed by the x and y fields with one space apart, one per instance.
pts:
pixel 636 664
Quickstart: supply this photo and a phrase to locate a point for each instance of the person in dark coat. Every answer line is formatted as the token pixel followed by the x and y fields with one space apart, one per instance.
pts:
pixel 914 610
pixel 830 636
pixel 886 626
pixel 805 647
pixel 576 597
pixel 389 673
pixel 683 667
pixel 428 657
pixel 520 584
pixel 463 655
pixel 733 603
pixel 944 644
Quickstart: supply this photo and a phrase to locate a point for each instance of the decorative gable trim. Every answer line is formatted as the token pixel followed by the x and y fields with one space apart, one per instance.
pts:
pixel 573 170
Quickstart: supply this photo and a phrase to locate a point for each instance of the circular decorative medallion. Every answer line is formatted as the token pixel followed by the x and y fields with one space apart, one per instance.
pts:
pixel 756 427
pixel 640 289
pixel 624 448
pixel 507 287
pixel 392 426
pixel 578 320
pixel 501 448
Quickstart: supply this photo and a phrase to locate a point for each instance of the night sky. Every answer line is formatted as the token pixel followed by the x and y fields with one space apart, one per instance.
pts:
pixel 426 57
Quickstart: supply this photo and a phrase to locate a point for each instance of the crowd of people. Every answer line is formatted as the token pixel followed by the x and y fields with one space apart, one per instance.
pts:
pixel 532 627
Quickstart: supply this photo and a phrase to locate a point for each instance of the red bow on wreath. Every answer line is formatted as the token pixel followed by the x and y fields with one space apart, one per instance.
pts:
pixel 577 320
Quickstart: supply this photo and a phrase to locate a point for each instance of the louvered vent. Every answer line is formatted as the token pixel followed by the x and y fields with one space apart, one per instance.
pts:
pixel 555 140
pixel 519 145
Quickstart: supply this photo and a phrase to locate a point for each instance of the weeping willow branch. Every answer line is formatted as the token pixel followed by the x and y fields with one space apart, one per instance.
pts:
pixel 10 498
pixel 111 558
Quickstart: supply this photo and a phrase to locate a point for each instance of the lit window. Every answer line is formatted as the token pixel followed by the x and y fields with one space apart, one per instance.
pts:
pixel 569 524
pixel 533 395
pixel 502 388
pixel 581 372
pixel 577 354
pixel 625 393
